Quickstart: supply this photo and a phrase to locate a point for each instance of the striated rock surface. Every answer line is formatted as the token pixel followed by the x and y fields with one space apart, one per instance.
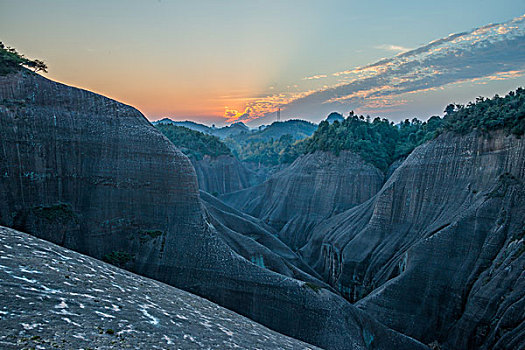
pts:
pixel 256 241
pixel 53 297
pixel 93 175
pixel 315 187
pixel 438 252
pixel 223 174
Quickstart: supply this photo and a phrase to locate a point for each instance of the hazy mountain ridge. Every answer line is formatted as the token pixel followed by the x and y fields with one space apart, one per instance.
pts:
pixel 220 132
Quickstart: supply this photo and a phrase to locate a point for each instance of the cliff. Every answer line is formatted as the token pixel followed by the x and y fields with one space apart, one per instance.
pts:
pixel 315 187
pixel 256 241
pixel 73 301
pixel 438 252
pixel 93 175
pixel 223 174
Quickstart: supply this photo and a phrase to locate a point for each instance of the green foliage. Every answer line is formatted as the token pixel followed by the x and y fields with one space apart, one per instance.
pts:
pixel 507 113
pixel 271 152
pixel 118 258
pixel 316 288
pixel 59 212
pixel 273 145
pixel 148 235
pixel 193 143
pixel 379 142
pixel 11 61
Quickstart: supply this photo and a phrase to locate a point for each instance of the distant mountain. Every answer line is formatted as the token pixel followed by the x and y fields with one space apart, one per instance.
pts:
pixel 223 132
pixel 232 130
pixel 298 129
pixel 268 145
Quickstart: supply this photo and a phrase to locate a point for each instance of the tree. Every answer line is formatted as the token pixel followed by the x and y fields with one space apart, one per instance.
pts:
pixel 11 61
pixel 38 66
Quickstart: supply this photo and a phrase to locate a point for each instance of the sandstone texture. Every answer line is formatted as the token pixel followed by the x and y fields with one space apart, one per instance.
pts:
pixel 256 241
pixel 438 253
pixel 223 174
pixel 93 175
pixel 55 298
pixel 313 188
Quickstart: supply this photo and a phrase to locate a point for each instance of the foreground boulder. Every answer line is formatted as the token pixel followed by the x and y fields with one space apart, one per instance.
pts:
pixel 315 187
pixel 54 297
pixel 94 175
pixel 438 252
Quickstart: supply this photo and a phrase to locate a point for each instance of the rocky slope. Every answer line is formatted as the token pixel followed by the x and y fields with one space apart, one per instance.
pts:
pixel 315 187
pixel 223 174
pixel 94 175
pixel 256 241
pixel 53 297
pixel 438 252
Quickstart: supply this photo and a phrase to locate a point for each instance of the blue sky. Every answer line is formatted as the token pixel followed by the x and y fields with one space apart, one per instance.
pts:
pixel 214 61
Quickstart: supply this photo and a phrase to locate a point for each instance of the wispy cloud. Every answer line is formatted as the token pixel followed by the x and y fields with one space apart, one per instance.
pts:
pixel 492 52
pixel 314 77
pixel 394 48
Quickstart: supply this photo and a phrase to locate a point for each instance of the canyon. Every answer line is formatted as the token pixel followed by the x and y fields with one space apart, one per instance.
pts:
pixel 329 250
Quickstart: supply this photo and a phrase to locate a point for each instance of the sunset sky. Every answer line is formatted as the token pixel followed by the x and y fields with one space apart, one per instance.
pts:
pixel 224 61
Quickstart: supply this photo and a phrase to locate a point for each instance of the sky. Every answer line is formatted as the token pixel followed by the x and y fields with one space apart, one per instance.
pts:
pixel 219 62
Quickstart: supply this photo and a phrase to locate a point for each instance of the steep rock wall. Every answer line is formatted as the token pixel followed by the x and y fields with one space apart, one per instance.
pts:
pixel 223 174
pixel 438 252
pixel 315 187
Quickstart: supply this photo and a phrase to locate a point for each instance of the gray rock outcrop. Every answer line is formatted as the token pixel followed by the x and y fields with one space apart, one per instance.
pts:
pixel 256 241
pixel 53 297
pixel 315 187
pixel 438 252
pixel 223 174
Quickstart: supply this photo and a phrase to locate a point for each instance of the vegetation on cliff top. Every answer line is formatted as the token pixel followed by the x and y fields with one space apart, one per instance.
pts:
pixel 193 143
pixel 271 152
pixel 11 61
pixel 381 142
pixel 507 113
pixel 378 141
pixel 273 144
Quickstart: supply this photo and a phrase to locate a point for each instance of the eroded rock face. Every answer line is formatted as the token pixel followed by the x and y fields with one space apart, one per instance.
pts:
pixel 256 241
pixel 54 297
pixel 85 164
pixel 438 252
pixel 223 174
pixel 315 187
pixel 93 175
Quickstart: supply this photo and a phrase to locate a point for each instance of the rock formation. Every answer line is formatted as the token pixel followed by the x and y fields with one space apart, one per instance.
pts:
pixel 256 241
pixel 53 297
pixel 315 187
pixel 223 174
pixel 93 175
pixel 438 253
